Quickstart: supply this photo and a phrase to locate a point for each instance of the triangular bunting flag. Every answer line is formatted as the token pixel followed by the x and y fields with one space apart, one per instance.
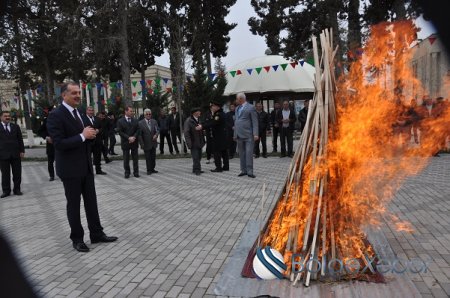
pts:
pixel 211 76
pixel 119 85
pixel 149 82
pixel 82 86
pixel 233 73
pixel 258 69
pixel 310 61
pixel 150 91
pixel 134 94
pixel 89 86
pixel 134 83
pixel 249 70
pixel 139 92
pixel 432 40
pixel 112 85
pixel 169 90
pixel 294 64
pixel 165 80
pixel 283 66
pixel 267 68
pixel 105 85
pixel 142 83
pixel 239 72
pixel 302 62
pixel 275 67
pixel 174 89
pixel 157 81
pixel 98 85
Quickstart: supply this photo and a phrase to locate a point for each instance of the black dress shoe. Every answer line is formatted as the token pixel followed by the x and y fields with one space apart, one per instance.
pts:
pixel 264 155
pixel 256 156
pixel 197 173
pixel 242 174
pixel 101 173
pixel 127 176
pixel 18 193
pixel 104 238
pixel 80 246
pixel 113 153
pixel 216 171
pixel 108 160
pixel 149 172
pixel 154 171
pixel 4 195
pixel 136 175
pixel 225 169
pixel 252 176
pixel 51 179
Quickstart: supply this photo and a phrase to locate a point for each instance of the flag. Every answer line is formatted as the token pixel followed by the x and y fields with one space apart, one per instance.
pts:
pixel 149 82
pixel 142 83
pixel 302 62
pixel 249 70
pixel 258 69
pixel 211 76
pixel 239 72
pixel 267 68
pixel 275 67
pixel 134 83
pixel 283 66
pixel 233 73
pixel 165 80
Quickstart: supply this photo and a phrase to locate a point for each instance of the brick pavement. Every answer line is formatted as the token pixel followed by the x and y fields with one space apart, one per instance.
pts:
pixel 176 230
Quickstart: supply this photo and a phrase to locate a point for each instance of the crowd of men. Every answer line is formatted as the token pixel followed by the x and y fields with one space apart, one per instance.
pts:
pixel 77 141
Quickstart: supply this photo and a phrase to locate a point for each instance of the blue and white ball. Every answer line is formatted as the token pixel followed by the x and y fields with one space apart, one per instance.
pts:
pixel 268 263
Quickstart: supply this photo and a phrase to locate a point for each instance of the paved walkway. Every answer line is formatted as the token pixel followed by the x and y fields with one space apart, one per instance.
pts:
pixel 176 230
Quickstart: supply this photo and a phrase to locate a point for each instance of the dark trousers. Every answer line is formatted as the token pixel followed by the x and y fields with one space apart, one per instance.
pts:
pixel 209 146
pixel 174 135
pixel 74 188
pixel 275 133
pixel 286 135
pixel 112 143
pixel 126 160
pixel 263 140
pixel 105 148
pixel 162 136
pixel 231 144
pixel 150 158
pixel 196 154
pixel 220 156
pixel 6 166
pixel 50 165
pixel 97 154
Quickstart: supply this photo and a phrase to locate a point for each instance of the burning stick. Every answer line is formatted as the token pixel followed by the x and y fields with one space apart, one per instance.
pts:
pixel 261 216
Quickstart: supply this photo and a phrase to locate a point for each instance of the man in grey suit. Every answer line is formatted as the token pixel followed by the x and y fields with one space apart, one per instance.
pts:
pixel 246 133
pixel 195 140
pixel 148 139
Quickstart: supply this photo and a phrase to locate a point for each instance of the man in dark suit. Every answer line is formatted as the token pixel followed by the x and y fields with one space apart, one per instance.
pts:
pixel 217 126
pixel 195 140
pixel 174 127
pixel 49 148
pixel 164 132
pixel 112 133
pixel 97 144
pixel 148 139
pixel 128 129
pixel 264 125
pixel 11 152
pixel 286 121
pixel 275 126
pixel 303 114
pixel 72 143
pixel 230 117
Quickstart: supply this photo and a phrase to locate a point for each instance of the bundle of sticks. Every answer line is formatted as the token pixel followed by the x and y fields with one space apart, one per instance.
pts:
pixel 302 223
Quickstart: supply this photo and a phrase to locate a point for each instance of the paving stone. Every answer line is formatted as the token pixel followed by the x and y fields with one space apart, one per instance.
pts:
pixel 174 241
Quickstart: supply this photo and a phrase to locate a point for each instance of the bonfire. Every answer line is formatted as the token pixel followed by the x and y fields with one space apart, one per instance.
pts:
pixel 349 164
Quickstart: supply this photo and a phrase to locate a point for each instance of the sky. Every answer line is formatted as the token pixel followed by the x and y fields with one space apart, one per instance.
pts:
pixel 244 45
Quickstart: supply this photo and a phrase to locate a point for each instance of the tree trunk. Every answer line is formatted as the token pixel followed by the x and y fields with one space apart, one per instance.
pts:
pixel 144 90
pixel 354 25
pixel 124 56
pixel 49 83
pixel 21 70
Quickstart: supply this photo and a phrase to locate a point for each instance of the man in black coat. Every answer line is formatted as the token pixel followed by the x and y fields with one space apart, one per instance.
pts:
pixel 164 132
pixel 72 143
pixel 303 114
pixel 49 148
pixel 112 132
pixel 217 125
pixel 230 117
pixel 175 132
pixel 97 144
pixel 12 151
pixel 195 140
pixel 128 129
pixel 275 126
pixel 263 125
pixel 286 122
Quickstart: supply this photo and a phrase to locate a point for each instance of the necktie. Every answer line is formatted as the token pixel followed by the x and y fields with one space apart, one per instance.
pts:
pixel 75 114
pixel 129 120
pixel 7 128
pixel 239 111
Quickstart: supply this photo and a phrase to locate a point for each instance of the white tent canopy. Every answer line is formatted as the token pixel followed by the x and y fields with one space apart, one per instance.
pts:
pixel 294 78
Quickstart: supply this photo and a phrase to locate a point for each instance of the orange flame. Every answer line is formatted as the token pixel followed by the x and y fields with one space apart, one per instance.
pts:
pixel 370 151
